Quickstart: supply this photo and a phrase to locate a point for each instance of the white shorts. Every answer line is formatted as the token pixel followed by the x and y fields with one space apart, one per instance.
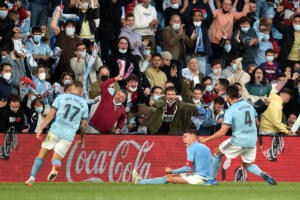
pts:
pixel 233 151
pixel 59 145
pixel 192 178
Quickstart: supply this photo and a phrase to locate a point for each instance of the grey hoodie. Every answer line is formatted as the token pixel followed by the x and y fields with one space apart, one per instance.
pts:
pixel 133 37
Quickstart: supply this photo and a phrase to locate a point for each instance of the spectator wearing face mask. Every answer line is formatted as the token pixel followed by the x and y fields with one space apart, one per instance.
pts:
pixel 5 83
pixel 40 50
pixel 270 67
pixel 245 41
pixel 216 71
pixel 110 110
pixel 7 25
pixel 86 26
pixel 209 94
pixel 39 79
pixel 66 41
pixel 264 45
pixel 104 74
pixel 192 96
pixel 36 117
pixel 201 45
pixel 175 9
pixel 135 39
pixel 79 65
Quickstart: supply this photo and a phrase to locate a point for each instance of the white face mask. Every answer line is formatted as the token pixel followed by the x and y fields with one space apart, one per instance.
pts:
pixel 133 89
pixel 6 76
pixel 196 101
pixel 122 50
pixel 85 5
pixel 117 104
pixel 42 76
pixel 197 24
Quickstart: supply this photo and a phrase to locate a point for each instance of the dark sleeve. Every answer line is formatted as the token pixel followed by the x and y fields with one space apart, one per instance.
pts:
pixel 112 63
pixel 124 2
pixel 278 23
pixel 74 10
pixel 4 120
pixel 96 13
pixel 210 16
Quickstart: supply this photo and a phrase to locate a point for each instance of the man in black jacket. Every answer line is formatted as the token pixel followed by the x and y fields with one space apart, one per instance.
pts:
pixel 290 53
pixel 5 82
pixel 110 24
pixel 7 26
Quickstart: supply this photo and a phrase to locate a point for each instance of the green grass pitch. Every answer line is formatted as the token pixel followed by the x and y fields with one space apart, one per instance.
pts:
pixel 127 191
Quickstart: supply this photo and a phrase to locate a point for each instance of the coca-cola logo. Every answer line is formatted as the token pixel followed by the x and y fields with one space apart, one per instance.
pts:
pixel 117 165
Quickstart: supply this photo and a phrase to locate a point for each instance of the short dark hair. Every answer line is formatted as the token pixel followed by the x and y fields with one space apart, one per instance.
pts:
pixel 70 21
pixel 205 79
pixel 2 5
pixel 215 62
pixel 80 44
pixel 233 57
pixel 237 84
pixel 156 55
pixel 224 83
pixel 171 88
pixel 4 64
pixel 280 75
pixel 154 88
pixel 287 91
pixel 295 16
pixel 244 19
pixel 104 67
pixel 199 87
pixel 13 98
pixel 190 131
pixel 133 77
pixel 77 84
pixel 219 100
pixel 36 29
pixel 129 15
pixel 269 51
pixel 169 81
pixel 233 92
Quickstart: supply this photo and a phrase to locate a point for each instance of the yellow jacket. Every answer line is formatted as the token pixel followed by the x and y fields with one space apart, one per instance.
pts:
pixel 272 117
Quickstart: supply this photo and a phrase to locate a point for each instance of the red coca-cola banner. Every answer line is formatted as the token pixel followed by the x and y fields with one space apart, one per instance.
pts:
pixel 111 158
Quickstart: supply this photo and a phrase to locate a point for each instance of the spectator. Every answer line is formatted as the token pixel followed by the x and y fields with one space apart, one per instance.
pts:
pixel 175 9
pixel 39 79
pixel 216 71
pixel 201 47
pixel 66 41
pixel 5 83
pixel 258 87
pixel 86 26
pixel 169 115
pixel 110 25
pixel 271 119
pixel 270 67
pixel 133 36
pixel 110 110
pixel 39 12
pixel 123 51
pixel 176 41
pixel 146 21
pixel 7 26
pixel 223 25
pixel 154 74
pixel 221 87
pixel 40 50
pixel 36 116
pixel 291 121
pixel 65 81
pixel 295 127
pixel 104 74
pixel 79 65
pixel 209 94
pixel 45 34
pixel 290 42
pixel 250 68
pixel 245 41
pixel 194 96
pixel 264 45
pixel 193 67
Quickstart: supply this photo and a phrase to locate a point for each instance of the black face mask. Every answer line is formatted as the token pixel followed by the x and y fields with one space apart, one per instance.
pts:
pixel 224 11
pixel 104 78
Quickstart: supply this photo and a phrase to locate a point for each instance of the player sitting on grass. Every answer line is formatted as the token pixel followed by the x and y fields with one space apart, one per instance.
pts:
pixel 242 118
pixel 195 171
pixel 69 110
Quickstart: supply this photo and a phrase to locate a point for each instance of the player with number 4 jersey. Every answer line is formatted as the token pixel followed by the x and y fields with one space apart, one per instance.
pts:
pixel 241 117
pixel 70 110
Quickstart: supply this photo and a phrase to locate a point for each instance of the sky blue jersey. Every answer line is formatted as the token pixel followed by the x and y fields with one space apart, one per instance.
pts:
pixel 241 117
pixel 70 110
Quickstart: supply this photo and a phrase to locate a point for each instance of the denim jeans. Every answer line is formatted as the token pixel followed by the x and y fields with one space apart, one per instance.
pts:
pixel 39 14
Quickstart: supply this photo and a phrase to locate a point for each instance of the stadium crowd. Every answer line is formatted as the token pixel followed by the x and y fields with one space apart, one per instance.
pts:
pixel 151 67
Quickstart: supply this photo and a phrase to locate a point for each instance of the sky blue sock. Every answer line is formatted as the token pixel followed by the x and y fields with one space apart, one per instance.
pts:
pixel 215 165
pixel 253 168
pixel 161 180
pixel 38 162
pixel 54 162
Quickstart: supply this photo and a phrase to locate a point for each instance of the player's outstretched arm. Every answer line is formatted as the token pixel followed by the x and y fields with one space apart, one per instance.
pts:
pixel 82 132
pixel 45 123
pixel 217 135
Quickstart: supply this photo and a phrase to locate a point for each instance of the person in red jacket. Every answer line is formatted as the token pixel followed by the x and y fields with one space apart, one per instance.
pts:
pixel 110 109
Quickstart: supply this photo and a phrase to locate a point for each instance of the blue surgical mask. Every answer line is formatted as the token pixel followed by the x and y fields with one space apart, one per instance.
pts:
pixel 70 31
pixel 122 50
pixel 32 97
pixel 296 27
pixel 234 66
pixel 131 27
pixel 66 82
pixel 266 37
pixel 146 52
pixel 111 91
pixel 39 109
pixel 227 48
pixel 176 27
pixel 37 38
pixel 209 88
pixel 117 104
pixel 82 54
pixel 216 71
pixel 257 81
pixel 3 14
pixel 175 5
pixel 156 97
pixel 245 29
pixel 270 58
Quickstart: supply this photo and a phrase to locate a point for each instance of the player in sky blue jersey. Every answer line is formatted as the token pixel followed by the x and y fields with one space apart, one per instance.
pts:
pixel 242 118
pixel 196 169
pixel 70 110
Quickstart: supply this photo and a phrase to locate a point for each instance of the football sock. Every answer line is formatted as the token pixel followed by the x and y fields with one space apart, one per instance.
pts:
pixel 38 162
pixel 161 180
pixel 215 165
pixel 254 169
pixel 54 162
